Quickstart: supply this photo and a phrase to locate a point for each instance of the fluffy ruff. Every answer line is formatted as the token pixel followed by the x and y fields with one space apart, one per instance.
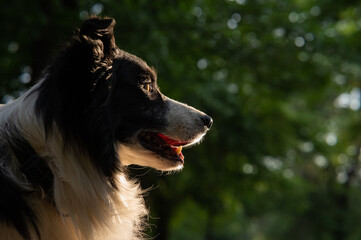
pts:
pixel 57 193
pixel 66 143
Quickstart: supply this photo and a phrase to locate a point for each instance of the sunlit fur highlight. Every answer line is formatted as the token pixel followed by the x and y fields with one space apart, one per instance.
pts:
pixel 87 206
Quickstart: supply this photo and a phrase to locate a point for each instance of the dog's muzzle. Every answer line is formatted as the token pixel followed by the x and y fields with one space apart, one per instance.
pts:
pixel 185 122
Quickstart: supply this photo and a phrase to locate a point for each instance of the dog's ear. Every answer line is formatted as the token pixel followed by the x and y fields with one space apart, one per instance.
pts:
pixel 99 32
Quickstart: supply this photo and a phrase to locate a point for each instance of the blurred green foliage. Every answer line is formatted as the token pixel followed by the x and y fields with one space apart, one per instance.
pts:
pixel 281 80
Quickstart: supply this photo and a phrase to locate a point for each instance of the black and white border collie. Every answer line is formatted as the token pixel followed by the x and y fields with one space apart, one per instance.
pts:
pixel 65 144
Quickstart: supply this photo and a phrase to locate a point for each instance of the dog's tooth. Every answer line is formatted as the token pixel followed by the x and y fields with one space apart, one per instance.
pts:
pixel 179 150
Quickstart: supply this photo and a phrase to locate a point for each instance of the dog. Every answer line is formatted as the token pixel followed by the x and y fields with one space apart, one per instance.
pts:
pixel 66 143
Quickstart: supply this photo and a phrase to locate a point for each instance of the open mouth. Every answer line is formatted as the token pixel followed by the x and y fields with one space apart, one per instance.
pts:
pixel 162 145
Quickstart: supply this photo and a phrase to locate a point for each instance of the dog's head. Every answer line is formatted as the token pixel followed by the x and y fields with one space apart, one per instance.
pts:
pixel 109 101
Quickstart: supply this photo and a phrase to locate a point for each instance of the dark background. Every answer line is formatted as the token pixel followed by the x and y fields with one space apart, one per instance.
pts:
pixel 281 80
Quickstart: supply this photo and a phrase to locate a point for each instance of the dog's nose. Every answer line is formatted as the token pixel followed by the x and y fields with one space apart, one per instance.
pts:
pixel 207 120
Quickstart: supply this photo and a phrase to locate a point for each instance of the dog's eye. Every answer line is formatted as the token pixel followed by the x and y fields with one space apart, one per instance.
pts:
pixel 148 87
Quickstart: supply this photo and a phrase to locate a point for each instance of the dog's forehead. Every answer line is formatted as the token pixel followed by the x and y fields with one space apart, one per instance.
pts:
pixel 135 65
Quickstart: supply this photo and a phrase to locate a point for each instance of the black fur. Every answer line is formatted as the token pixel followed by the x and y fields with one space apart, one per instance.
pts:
pixel 92 93
pixel 14 209
pixel 34 168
